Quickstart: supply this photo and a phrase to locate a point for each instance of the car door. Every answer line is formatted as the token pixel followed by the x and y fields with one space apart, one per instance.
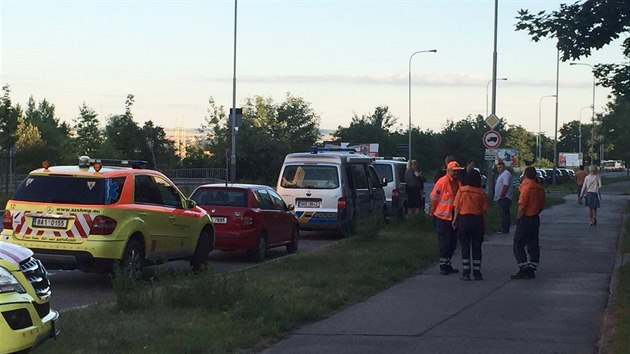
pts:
pixel 182 222
pixel 377 195
pixel 285 220
pixel 268 215
pixel 362 189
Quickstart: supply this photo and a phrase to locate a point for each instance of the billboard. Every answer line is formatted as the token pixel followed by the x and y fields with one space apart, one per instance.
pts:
pixel 569 159
pixel 508 156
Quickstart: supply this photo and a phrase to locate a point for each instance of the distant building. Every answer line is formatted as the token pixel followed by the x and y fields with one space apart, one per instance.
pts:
pixel 183 137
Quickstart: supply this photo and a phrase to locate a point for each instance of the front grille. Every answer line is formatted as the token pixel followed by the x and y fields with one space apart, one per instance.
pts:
pixel 37 275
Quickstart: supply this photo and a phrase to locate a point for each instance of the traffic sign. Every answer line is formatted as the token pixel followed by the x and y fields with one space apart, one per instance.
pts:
pixel 492 121
pixel 491 139
pixel 491 154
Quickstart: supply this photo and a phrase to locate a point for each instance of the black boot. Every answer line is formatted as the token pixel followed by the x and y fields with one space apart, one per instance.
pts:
pixel 477 275
pixel 523 273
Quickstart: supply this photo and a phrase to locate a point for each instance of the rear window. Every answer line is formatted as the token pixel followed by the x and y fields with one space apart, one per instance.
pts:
pixel 310 176
pixel 220 197
pixel 384 171
pixel 69 190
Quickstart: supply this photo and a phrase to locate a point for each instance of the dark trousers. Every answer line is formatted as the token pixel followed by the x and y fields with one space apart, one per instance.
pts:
pixel 470 233
pixel 447 237
pixel 526 236
pixel 504 206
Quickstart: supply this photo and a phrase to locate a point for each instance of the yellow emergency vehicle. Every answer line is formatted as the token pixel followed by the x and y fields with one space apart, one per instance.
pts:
pixel 101 212
pixel 26 319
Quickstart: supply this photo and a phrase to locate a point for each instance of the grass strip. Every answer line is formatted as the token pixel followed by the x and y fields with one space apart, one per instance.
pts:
pixel 621 315
pixel 249 310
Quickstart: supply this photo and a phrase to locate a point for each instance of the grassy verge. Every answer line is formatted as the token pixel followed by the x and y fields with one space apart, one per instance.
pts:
pixel 248 310
pixel 621 314
pixel 609 180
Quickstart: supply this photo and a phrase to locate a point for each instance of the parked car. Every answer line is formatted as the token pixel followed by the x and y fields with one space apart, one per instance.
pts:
pixel 248 217
pixel 26 319
pixel 539 175
pixel 392 173
pixel 92 216
pixel 331 188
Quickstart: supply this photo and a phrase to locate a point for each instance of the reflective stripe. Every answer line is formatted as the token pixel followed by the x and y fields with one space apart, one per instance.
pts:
pixel 476 261
pixel 445 201
pixel 523 264
pixel 466 266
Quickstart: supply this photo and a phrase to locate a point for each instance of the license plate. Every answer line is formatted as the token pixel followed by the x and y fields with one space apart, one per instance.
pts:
pixel 52 223
pixel 219 219
pixel 308 203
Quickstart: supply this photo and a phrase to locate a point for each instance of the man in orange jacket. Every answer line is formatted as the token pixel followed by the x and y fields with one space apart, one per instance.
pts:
pixel 442 198
pixel 530 203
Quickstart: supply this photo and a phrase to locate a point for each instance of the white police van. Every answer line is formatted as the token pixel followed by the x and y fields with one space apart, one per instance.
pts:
pixel 331 188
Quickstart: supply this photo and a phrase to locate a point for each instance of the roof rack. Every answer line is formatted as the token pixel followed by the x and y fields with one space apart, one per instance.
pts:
pixel 317 149
pixel 86 161
pixel 396 158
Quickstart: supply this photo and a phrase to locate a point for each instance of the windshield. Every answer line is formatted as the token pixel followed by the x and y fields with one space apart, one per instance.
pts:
pixel 220 197
pixel 69 190
pixel 310 176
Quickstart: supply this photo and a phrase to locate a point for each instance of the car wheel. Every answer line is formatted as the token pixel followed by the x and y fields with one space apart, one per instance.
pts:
pixel 132 259
pixel 293 246
pixel 200 257
pixel 258 253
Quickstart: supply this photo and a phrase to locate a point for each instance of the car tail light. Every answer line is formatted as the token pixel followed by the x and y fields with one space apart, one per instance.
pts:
pixel 103 225
pixel 7 221
pixel 395 194
pixel 341 203
pixel 248 220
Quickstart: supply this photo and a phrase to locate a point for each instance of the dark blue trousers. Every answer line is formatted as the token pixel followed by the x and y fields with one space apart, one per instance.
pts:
pixel 504 206
pixel 470 234
pixel 447 238
pixel 526 236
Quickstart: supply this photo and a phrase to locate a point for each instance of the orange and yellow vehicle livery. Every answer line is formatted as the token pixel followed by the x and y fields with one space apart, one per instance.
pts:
pixel 26 319
pixel 91 215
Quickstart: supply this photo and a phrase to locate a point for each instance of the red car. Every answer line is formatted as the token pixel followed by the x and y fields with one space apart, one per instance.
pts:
pixel 248 217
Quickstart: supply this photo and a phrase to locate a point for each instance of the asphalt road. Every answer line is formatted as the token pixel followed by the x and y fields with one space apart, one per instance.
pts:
pixel 75 289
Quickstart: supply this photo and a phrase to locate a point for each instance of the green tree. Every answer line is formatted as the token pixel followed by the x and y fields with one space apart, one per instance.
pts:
pixel 158 149
pixel 56 135
pixel 121 134
pixel 88 134
pixel 8 123
pixel 462 139
pixel 616 123
pixel 269 132
pixel 519 138
pixel 581 27
pixel 372 128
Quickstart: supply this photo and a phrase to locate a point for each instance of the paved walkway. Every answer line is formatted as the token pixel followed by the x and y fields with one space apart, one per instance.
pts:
pixel 558 312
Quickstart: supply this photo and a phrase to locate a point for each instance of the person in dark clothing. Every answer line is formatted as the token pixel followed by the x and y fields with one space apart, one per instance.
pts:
pixel 470 166
pixel 415 188
pixel 442 171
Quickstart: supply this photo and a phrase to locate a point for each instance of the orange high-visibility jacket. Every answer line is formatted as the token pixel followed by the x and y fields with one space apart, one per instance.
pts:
pixel 443 196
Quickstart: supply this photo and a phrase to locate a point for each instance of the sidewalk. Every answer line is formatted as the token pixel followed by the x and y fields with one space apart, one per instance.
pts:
pixel 558 312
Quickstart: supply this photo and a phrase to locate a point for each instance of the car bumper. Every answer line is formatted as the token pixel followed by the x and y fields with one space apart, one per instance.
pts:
pixel 235 240
pixel 41 328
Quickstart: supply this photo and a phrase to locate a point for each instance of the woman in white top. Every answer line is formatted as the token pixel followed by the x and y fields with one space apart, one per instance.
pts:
pixel 591 191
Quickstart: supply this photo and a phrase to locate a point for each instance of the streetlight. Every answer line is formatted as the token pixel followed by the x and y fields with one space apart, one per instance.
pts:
pixel 233 114
pixel 593 116
pixel 580 142
pixel 487 87
pixel 538 138
pixel 420 51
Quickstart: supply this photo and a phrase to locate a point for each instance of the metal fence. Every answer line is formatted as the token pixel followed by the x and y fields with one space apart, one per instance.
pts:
pixel 185 178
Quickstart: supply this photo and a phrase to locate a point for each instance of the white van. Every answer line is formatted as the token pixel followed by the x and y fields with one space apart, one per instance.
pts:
pixel 331 188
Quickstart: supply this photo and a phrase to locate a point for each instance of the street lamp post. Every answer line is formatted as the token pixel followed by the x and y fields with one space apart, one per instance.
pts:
pixel 593 106
pixel 233 115
pixel 487 88
pixel 538 138
pixel 580 142
pixel 414 53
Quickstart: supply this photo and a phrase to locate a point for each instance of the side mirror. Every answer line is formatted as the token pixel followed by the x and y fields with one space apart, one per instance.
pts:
pixel 290 207
pixel 190 204
pixel 384 182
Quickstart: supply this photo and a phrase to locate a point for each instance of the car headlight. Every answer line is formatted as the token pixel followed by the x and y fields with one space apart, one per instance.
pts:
pixel 8 283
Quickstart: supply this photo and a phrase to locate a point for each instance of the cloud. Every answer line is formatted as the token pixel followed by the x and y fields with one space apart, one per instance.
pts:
pixel 431 80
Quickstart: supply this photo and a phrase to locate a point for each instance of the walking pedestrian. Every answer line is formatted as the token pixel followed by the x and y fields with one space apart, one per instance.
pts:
pixel 415 185
pixel 442 198
pixel 469 220
pixel 503 190
pixel 579 181
pixel 530 203
pixel 591 193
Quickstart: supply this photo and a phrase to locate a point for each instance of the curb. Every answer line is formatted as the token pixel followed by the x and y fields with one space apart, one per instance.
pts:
pixel 606 333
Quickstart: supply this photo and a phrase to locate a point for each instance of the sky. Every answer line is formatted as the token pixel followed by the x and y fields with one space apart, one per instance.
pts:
pixel 343 57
